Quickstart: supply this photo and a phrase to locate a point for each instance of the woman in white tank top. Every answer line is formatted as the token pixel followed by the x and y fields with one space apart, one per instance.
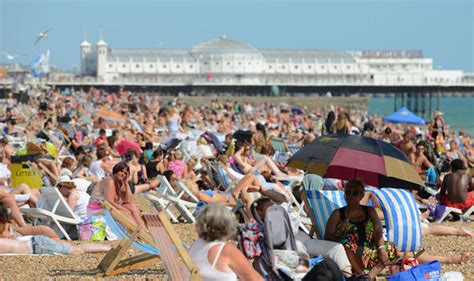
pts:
pixel 216 259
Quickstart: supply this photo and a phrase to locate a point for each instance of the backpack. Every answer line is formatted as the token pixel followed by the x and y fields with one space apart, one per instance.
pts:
pixel 327 270
pixel 277 235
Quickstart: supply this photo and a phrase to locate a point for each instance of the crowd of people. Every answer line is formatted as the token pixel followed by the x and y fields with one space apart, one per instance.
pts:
pixel 121 144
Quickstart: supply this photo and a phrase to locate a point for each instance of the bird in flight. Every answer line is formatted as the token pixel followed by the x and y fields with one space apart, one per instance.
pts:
pixel 10 56
pixel 42 35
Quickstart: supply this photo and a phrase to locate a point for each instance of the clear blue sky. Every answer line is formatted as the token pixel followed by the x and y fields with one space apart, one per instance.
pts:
pixel 443 29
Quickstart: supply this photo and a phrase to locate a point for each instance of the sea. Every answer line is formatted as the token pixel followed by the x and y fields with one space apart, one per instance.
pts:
pixel 458 111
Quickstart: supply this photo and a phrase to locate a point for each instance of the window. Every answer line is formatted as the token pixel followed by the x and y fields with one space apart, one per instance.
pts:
pixel 178 66
pixel 191 66
pixel 205 62
pixel 151 65
pixel 217 63
pixel 240 63
pixel 309 67
pixel 348 67
pixel 123 65
pixel 110 65
pixel 164 65
pixel 335 67
pixel 228 63
pixel 296 67
pixel 137 66
pixel 322 66
pixel 270 67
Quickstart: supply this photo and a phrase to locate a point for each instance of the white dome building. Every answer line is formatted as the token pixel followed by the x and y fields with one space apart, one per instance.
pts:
pixel 225 61
pixel 225 55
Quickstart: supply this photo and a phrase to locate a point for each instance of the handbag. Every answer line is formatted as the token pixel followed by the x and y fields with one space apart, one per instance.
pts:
pixel 430 271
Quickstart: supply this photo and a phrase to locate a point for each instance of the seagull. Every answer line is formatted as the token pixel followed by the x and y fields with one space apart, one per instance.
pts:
pixel 10 56
pixel 42 35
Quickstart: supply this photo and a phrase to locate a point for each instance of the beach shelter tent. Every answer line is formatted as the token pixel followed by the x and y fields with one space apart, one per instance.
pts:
pixel 403 115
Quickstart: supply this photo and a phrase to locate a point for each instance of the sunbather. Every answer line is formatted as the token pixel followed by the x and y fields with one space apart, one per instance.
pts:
pixel 8 200
pixel 116 191
pixel 457 189
pixel 359 229
pixel 10 231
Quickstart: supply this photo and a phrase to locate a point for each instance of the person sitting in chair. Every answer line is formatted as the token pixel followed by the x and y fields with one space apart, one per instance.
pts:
pixel 359 230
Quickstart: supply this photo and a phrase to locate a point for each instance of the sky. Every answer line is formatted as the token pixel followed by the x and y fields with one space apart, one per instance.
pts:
pixel 443 29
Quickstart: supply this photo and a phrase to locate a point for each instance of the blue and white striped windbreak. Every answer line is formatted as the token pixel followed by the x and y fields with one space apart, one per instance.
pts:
pixel 398 205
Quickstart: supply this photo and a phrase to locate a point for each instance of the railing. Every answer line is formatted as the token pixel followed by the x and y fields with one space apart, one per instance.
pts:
pixel 258 80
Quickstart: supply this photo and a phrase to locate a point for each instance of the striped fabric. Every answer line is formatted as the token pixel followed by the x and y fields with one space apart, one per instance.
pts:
pixel 293 148
pixel 116 228
pixel 398 206
pixel 401 218
pixel 323 203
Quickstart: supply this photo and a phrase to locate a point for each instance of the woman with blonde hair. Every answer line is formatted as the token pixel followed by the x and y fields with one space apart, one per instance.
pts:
pixel 215 258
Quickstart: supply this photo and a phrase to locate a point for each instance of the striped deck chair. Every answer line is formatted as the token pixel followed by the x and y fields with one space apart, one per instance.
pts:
pixel 399 208
pixel 281 152
pixel 293 148
pixel 156 245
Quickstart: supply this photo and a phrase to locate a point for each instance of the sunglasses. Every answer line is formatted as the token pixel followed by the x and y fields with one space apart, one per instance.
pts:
pixel 353 193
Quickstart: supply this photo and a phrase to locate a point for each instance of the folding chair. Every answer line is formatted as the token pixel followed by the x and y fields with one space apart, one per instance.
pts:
pixel 156 245
pixel 281 152
pixel 52 207
pixel 398 206
pixel 293 148
pixel 167 198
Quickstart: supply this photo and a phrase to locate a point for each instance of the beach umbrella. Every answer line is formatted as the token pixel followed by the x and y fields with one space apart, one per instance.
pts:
pixel 125 145
pixel 297 110
pixel 242 135
pixel 210 137
pixel 111 115
pixel 348 157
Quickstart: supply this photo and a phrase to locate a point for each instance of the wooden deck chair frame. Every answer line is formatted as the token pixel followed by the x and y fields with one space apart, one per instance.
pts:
pixel 113 262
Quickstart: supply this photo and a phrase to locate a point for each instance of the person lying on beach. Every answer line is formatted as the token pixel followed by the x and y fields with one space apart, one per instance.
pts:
pixel 457 187
pixel 248 165
pixel 9 231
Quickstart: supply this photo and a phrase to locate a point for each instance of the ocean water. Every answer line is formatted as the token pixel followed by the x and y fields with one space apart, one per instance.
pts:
pixel 458 111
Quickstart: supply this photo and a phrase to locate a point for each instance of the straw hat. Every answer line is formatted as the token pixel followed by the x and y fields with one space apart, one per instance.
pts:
pixel 66 182
pixel 438 113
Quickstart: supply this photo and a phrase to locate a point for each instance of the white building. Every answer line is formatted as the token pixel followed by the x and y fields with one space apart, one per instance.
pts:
pixel 228 61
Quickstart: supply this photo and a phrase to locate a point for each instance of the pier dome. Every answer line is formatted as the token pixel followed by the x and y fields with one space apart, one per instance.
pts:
pixel 224 46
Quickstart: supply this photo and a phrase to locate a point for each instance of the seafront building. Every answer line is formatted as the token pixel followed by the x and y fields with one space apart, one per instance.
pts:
pixel 225 61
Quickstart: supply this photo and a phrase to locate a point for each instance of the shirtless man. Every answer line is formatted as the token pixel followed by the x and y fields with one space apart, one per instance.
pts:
pixel 420 158
pixel 457 187
pixel 408 147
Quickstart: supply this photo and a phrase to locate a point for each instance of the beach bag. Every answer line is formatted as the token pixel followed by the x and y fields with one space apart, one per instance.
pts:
pixel 430 271
pixel 93 229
